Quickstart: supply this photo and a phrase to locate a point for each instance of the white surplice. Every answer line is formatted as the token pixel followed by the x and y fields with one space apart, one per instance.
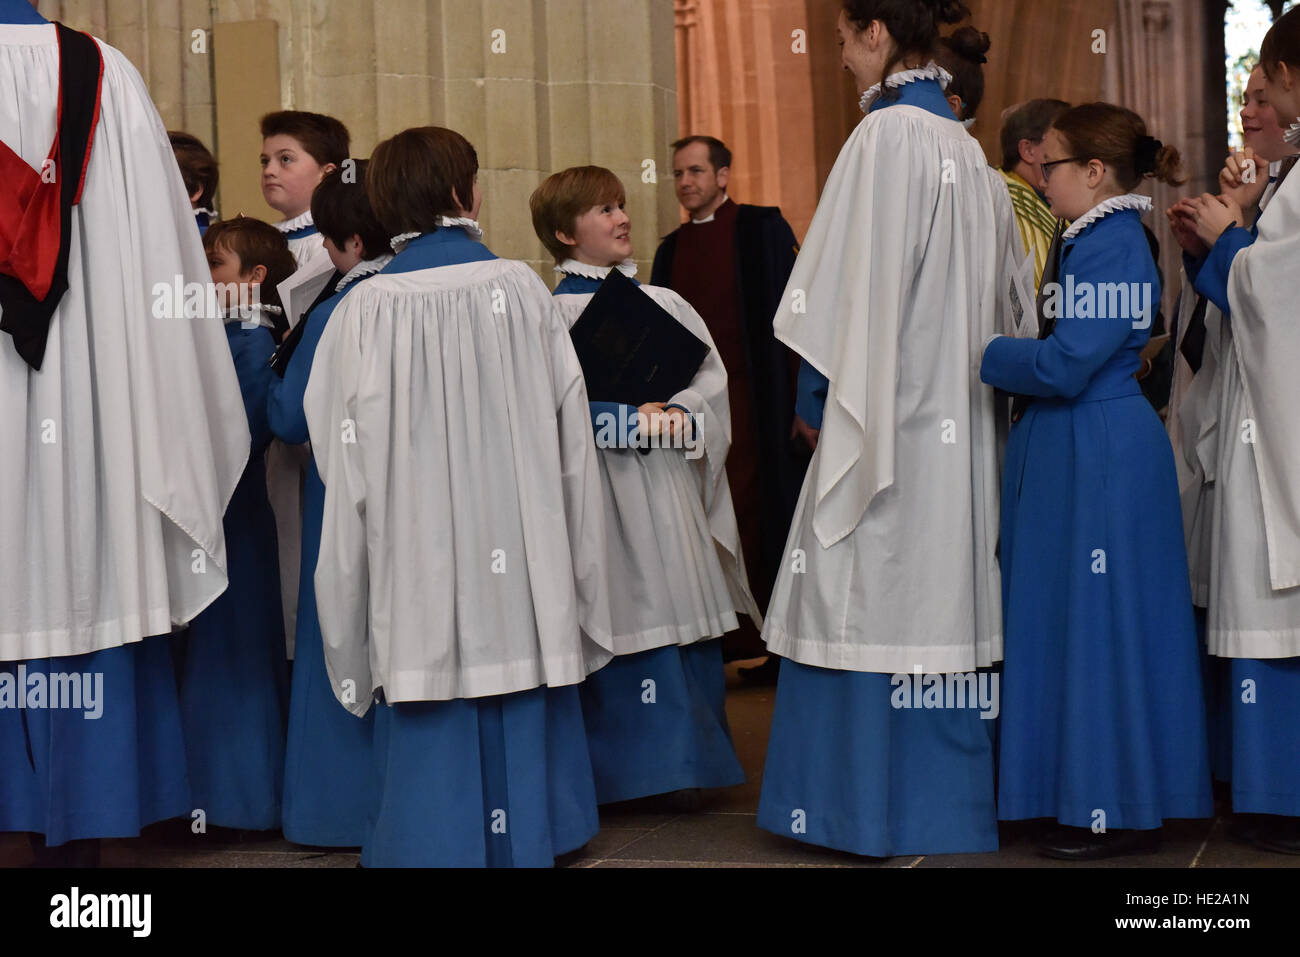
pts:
pixel 1254 602
pixel 462 547
pixel 890 563
pixel 676 572
pixel 122 452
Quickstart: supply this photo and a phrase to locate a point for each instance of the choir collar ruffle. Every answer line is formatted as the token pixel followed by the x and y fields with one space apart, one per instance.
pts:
pixel 297 223
pixel 931 71
pixel 255 314
pixel 572 267
pixel 471 227
pixel 362 269
pixel 1143 204
pixel 1292 135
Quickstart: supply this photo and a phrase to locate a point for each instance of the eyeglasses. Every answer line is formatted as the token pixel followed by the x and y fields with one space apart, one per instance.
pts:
pixel 1046 168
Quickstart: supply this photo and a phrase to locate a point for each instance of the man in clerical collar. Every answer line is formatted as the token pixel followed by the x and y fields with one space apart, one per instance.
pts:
pixel 731 262
pixel 1023 129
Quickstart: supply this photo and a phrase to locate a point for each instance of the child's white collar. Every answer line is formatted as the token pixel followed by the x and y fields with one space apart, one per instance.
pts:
pixel 295 224
pixel 254 314
pixel 931 71
pixel 1115 204
pixel 364 268
pixel 572 267
pixel 470 226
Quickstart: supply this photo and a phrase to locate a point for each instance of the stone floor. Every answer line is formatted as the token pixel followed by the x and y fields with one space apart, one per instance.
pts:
pixel 650 834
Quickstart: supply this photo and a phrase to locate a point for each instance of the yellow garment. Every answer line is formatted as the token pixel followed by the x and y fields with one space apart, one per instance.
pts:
pixel 1037 224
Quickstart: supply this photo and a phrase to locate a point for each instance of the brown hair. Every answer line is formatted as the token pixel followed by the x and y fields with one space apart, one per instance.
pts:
pixel 562 198
pixel 256 244
pixel 963 55
pixel 1028 121
pixel 341 209
pixel 412 176
pixel 719 155
pixel 1118 137
pixel 324 138
pixel 913 24
pixel 198 166
pixel 1281 43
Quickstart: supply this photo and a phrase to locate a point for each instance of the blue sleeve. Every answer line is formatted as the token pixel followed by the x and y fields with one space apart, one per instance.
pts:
pixel 284 403
pixel 690 416
pixel 810 401
pixel 622 417
pixel 1212 279
pixel 1064 363
pixel 252 354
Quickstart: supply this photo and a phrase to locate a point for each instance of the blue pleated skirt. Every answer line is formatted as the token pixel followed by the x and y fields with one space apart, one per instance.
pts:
pixel 503 781
pixel 235 687
pixel 657 722
pixel 70 778
pixel 1103 704
pixel 847 770
pixel 1261 700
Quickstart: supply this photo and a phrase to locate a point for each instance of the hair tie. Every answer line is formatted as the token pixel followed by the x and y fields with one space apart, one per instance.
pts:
pixel 1145 153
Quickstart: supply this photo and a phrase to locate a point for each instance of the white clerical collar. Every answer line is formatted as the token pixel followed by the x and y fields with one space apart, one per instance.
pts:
pixel 470 226
pixel 713 215
pixel 931 71
pixel 364 268
pixel 572 267
pixel 1115 204
pixel 295 224
pixel 254 314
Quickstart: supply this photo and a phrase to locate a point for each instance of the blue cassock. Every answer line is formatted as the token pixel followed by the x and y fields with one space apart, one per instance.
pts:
pixel 683 743
pixel 1102 705
pixel 70 778
pixel 330 789
pixel 498 781
pixel 1256 739
pixel 234 686
pixel 845 768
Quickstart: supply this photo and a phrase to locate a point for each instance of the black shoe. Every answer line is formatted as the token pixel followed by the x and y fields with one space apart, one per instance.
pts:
pixel 1081 844
pixel 1242 829
pixel 685 801
pixel 1281 835
pixel 764 674
pixel 73 854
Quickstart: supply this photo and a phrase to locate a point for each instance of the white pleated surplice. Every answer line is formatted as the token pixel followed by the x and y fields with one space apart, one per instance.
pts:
pixel 118 457
pixel 676 572
pixel 1254 604
pixel 462 548
pixel 901 281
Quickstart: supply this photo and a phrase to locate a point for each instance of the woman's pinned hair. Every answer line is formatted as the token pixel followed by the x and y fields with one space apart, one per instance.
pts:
pixel 913 24
pixel 1118 137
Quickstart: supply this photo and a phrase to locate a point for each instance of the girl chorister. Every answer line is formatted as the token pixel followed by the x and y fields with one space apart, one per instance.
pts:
pixel 1103 723
pixel 656 720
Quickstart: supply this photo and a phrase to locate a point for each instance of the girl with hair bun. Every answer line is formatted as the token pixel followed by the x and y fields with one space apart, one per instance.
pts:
pixel 890 586
pixel 1253 618
pixel 1103 720
pixel 963 54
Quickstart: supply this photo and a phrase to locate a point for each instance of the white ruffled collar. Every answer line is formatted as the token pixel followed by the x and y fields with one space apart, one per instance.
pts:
pixel 931 71
pixel 572 267
pixel 297 223
pixel 364 268
pixel 1292 135
pixel 470 226
pixel 254 314
pixel 1115 204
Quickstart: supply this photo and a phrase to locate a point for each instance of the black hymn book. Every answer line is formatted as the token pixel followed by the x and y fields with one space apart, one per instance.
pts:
pixel 632 350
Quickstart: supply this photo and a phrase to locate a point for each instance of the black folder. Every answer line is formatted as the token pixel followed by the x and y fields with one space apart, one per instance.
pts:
pixel 632 350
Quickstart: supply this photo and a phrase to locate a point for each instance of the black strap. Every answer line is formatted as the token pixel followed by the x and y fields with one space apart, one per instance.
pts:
pixel 1193 344
pixel 25 317
pixel 1046 324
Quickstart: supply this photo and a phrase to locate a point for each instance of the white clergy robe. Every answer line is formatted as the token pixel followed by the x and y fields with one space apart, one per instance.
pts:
pixel 1254 607
pixel 462 545
pixel 122 452
pixel 890 562
pixel 676 572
